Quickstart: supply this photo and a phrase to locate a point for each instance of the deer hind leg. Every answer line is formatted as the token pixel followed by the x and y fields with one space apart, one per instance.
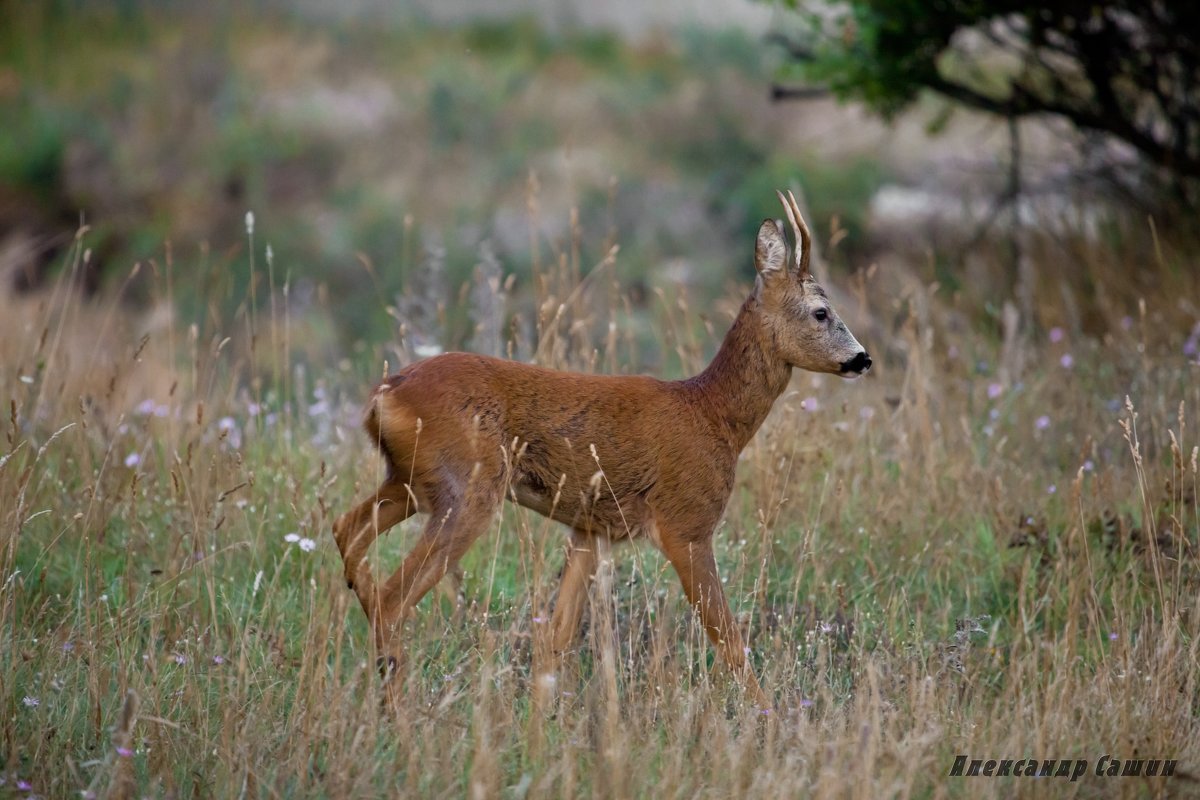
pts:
pixel 358 528
pixel 697 568
pixel 577 575
pixel 449 532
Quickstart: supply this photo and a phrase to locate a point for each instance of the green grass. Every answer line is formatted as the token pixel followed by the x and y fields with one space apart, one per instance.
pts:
pixel 160 636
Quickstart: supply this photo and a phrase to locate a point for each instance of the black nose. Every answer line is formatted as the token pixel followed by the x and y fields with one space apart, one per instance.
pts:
pixel 860 363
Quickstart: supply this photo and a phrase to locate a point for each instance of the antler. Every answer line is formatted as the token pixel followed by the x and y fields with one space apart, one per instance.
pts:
pixel 800 229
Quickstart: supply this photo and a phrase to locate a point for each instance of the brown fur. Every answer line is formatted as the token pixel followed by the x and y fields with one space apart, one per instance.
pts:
pixel 613 457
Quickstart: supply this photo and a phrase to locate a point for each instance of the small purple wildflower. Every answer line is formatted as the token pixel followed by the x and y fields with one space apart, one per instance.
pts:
pixel 810 404
pixel 1112 637
pixel 1192 346
pixel 24 786
pixel 1067 361
pixel 995 390
pixel 179 659
pixel 1089 466
pixel 307 545
pixel 1126 322
pixel 68 647
pixel 124 752
pixel 806 703
pixel 291 537
pixel 1056 335
pixel 994 414
pixel 31 702
pixel 1042 422
pixel 538 620
pixel 1051 489
pixel 132 460
pixel 218 660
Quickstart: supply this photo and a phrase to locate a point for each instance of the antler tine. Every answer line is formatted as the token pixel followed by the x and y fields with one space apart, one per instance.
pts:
pixel 799 230
pixel 792 219
pixel 803 238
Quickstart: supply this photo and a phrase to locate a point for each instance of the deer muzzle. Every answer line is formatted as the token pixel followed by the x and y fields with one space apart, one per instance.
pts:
pixel 856 366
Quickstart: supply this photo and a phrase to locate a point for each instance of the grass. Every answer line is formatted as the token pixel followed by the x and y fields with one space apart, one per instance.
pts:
pixel 924 565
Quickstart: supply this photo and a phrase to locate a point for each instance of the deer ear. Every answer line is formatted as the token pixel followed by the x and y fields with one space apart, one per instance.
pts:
pixel 770 251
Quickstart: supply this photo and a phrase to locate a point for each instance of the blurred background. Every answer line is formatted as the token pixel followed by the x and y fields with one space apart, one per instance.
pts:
pixel 411 166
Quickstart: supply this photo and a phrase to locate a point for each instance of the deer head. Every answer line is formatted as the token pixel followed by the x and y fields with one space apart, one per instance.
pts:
pixel 805 330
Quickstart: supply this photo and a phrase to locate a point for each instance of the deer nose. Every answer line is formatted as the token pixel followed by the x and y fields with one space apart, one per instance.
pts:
pixel 859 364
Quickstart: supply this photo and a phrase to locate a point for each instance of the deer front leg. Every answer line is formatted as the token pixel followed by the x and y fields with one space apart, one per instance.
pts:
pixel 697 568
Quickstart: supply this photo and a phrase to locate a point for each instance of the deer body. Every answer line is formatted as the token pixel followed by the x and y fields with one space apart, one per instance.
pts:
pixel 609 456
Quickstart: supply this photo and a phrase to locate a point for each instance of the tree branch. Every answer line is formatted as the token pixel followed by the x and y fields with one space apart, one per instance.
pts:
pixel 1024 103
pixel 779 92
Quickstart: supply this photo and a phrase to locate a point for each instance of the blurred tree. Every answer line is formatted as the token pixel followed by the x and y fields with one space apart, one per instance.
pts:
pixel 1126 68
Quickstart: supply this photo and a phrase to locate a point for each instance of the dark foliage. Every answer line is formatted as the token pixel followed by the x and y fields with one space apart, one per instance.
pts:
pixel 1129 69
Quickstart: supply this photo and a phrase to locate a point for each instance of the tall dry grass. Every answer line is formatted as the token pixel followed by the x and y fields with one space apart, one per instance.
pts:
pixel 984 548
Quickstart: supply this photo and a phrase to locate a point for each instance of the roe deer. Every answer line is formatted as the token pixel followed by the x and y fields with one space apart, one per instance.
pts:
pixel 462 432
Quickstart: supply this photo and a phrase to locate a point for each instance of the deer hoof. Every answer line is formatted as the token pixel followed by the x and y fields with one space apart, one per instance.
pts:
pixel 386 666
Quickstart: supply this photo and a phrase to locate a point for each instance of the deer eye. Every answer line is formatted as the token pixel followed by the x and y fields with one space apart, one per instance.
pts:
pixel 821 314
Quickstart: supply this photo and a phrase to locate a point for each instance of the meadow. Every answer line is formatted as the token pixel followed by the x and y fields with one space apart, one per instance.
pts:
pixel 986 547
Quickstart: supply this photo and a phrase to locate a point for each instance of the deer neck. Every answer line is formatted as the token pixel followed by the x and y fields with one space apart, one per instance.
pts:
pixel 745 377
